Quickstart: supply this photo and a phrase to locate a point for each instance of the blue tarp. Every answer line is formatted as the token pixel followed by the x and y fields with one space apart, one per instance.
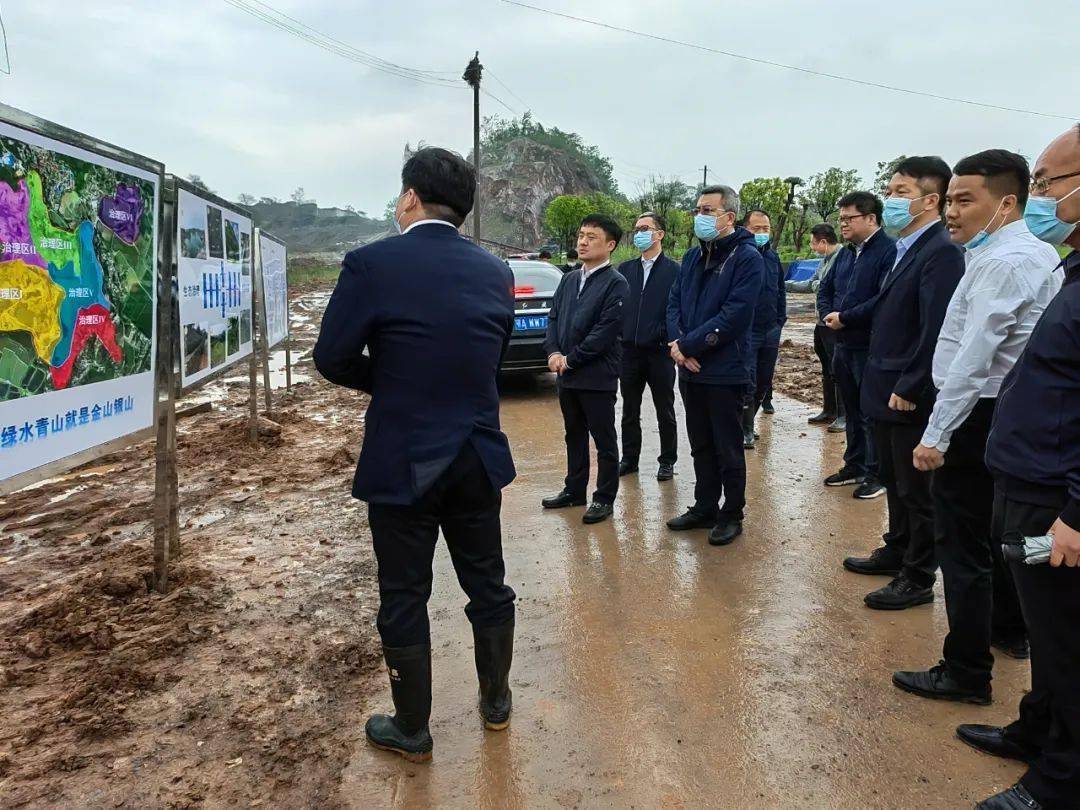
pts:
pixel 802 270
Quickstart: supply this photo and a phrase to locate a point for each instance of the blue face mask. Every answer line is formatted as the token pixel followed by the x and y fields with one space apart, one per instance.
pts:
pixel 1041 217
pixel 980 238
pixel 643 240
pixel 897 213
pixel 705 227
pixel 761 239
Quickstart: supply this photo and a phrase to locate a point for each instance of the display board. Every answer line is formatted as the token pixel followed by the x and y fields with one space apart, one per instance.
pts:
pixel 274 288
pixel 78 293
pixel 213 272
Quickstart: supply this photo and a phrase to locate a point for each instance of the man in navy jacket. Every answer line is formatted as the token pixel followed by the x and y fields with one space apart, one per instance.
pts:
pixel 770 315
pixel 584 348
pixel 646 357
pixel 850 294
pixel 710 315
pixel 434 313
pixel 898 388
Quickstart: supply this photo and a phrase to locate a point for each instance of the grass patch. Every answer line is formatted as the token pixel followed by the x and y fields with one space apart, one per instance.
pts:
pixel 309 272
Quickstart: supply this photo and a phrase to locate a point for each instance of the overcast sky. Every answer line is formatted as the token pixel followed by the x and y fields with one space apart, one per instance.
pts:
pixel 210 90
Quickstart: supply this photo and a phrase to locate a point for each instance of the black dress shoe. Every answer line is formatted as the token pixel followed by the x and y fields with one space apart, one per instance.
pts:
pixel 883 561
pixel 1015 798
pixel 725 532
pixel 627 467
pixel 936 683
pixel 666 472
pixel 597 512
pixel 690 520
pixel 992 740
pixel 562 500
pixel 822 418
pixel 899 594
pixel 1017 648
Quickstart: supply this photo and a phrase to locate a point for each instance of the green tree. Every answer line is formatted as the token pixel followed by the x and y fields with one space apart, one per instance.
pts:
pixel 563 216
pixel 825 188
pixel 767 193
pixel 246 199
pixel 885 170
pixel 199 184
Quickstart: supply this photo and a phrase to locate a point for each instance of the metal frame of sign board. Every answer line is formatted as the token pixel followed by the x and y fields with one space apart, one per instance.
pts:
pixel 262 297
pixel 69 137
pixel 175 184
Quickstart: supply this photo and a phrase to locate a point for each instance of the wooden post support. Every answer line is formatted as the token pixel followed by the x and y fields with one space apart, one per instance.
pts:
pixel 288 350
pixel 266 364
pixel 253 399
pixel 166 507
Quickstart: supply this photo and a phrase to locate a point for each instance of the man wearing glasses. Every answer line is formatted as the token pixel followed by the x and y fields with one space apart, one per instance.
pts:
pixel 849 295
pixel 710 313
pixel 646 358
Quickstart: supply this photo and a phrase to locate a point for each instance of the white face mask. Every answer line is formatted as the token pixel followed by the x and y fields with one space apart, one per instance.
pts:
pixel 397 222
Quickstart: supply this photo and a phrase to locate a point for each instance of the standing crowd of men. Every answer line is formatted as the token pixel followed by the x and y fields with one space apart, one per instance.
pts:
pixel 950 355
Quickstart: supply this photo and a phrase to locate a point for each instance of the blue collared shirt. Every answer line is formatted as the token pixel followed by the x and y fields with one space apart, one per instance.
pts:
pixel 904 243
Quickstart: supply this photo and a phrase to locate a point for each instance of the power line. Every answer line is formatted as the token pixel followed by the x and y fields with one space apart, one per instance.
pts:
pixel 7 54
pixel 491 95
pixel 770 63
pixel 508 90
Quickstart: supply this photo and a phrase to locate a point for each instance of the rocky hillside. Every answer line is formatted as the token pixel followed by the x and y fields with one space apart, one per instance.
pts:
pixel 308 229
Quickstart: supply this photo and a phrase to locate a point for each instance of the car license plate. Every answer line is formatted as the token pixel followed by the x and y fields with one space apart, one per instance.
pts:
pixel 530 322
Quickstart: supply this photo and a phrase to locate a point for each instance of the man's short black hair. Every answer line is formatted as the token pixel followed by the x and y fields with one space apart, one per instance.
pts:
pixel 571 254
pixel 824 231
pixel 751 212
pixel 545 254
pixel 932 174
pixel 1005 172
pixel 605 223
pixel 444 181
pixel 658 221
pixel 862 201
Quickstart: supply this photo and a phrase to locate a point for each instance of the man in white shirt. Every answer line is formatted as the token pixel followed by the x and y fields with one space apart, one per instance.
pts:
pixel 1008 282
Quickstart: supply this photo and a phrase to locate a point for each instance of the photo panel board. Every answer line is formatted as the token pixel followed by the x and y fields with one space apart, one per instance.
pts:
pixel 272 277
pixel 213 284
pixel 78 294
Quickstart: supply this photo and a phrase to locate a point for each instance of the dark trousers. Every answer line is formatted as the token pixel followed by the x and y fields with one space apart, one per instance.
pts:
pixel 980 599
pixel 911 507
pixel 824 347
pixel 1050 713
pixel 592 413
pixel 849 366
pixel 655 368
pixel 762 368
pixel 465 505
pixel 714 427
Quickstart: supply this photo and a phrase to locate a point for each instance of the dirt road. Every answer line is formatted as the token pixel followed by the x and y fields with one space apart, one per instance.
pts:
pixel 651 670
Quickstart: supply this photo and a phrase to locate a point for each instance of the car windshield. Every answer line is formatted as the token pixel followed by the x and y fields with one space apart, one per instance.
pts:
pixel 541 276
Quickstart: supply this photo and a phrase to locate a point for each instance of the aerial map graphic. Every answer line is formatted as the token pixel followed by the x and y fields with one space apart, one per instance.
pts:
pixel 77 260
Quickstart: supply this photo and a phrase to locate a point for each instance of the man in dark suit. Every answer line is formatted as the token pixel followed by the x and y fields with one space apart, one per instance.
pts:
pixel 583 347
pixel 646 357
pixel 710 315
pixel 898 388
pixel 435 312
pixel 770 315
pixel 850 294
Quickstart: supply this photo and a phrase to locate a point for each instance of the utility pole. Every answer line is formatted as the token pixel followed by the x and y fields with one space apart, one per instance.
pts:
pixel 705 176
pixel 472 77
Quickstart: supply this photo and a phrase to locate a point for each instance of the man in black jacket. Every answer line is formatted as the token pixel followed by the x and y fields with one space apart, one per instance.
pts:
pixel 770 315
pixel 435 313
pixel 584 349
pixel 646 357
pixel 849 293
pixel 898 388
pixel 1034 455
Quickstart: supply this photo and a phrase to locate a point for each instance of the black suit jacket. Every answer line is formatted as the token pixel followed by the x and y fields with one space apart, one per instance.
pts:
pixel 645 311
pixel 907 316
pixel 435 313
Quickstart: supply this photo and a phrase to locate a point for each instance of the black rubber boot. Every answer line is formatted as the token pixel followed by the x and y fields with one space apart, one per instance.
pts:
pixel 828 397
pixel 494 650
pixel 406 733
pixel 748 414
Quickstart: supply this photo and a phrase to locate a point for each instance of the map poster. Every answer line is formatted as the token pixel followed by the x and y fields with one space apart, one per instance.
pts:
pixel 274 289
pixel 78 289
pixel 213 284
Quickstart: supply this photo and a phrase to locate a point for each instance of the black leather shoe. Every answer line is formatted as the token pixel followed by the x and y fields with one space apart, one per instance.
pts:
pixel 627 467
pixel 1015 798
pixel 846 477
pixel 406 733
pixel 767 406
pixel 562 500
pixel 725 532
pixel 597 512
pixel 992 740
pixel 936 683
pixel 690 520
pixel 748 414
pixel 838 426
pixel 883 561
pixel 822 418
pixel 1017 648
pixel 666 472
pixel 493 648
pixel 899 594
